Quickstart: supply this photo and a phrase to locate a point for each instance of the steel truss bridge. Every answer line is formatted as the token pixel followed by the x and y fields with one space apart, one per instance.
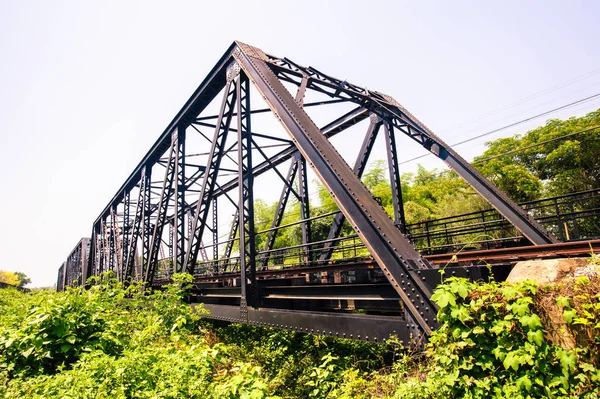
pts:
pixel 257 122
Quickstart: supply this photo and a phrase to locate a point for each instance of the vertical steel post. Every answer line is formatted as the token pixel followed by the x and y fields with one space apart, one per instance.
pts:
pixel 83 260
pixel 180 203
pixel 215 235
pixel 147 222
pixel 112 242
pixel 304 207
pixel 392 158
pixel 92 263
pixel 246 199
pixel 172 245
pixel 126 232
pixel 102 241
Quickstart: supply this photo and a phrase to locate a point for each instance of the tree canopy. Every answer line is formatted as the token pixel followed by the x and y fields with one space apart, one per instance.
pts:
pixel 14 278
pixel 558 158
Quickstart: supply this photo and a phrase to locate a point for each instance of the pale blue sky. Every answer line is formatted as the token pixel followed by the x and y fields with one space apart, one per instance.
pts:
pixel 87 86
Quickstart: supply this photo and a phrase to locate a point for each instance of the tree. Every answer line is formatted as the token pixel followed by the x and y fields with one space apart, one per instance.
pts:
pixel 558 158
pixel 23 279
pixel 9 278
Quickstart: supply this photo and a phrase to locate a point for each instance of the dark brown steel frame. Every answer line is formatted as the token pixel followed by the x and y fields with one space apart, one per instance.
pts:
pixel 114 245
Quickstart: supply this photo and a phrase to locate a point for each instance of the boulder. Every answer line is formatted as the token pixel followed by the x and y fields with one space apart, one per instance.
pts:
pixel 545 271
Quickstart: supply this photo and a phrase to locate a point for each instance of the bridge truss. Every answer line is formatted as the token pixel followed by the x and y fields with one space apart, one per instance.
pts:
pixel 256 122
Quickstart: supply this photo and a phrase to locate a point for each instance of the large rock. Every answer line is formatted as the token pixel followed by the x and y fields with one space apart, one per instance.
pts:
pixel 549 271
pixel 545 271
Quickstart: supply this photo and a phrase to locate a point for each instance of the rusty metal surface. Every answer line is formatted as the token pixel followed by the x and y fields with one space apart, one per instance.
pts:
pixel 563 249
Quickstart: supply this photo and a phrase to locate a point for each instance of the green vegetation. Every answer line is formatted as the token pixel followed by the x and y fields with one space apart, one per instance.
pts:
pixel 496 340
pixel 558 158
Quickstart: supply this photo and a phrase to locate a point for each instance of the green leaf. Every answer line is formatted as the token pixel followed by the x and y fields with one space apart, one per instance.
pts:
pixel 520 308
pixel 443 298
pixel 588 368
pixel 568 360
pixel 536 337
pixel 581 321
pixel 524 382
pixel 478 330
pixel 509 292
pixel 462 288
pixel 563 300
pixel 569 315
pixel 27 352
pixel 461 313
pixel 512 360
pixel 530 321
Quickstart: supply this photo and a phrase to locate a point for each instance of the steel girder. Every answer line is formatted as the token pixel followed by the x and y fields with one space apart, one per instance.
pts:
pixel 60 282
pixel 131 242
pixel 280 209
pixel 359 168
pixel 208 185
pixel 74 269
pixel 405 122
pixel 395 255
pixel 249 292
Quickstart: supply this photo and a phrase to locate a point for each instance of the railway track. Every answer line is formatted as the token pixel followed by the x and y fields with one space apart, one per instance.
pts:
pixel 559 250
pixel 491 256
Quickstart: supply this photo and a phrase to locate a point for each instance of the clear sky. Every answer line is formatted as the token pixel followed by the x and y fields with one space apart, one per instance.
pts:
pixel 87 86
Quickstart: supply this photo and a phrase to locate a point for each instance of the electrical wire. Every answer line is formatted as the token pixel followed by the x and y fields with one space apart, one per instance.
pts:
pixel 515 151
pixel 534 145
pixel 525 99
pixel 510 125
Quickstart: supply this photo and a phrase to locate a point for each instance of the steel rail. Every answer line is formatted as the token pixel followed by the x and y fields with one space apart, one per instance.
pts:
pixel 572 248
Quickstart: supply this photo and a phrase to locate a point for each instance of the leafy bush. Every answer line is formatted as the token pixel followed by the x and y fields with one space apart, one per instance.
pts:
pixel 112 341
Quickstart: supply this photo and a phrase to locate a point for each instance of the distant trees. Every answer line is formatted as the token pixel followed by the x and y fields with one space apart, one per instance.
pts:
pixel 14 278
pixel 558 158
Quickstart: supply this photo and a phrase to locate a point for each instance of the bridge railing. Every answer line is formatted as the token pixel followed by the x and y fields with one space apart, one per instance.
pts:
pixel 568 217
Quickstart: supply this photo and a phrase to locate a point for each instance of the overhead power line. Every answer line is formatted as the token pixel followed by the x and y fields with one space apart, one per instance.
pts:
pixel 530 97
pixel 517 150
pixel 510 125
pixel 535 145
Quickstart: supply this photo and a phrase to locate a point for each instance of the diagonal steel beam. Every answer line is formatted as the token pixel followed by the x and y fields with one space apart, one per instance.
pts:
pixel 137 227
pixel 165 196
pixel 118 244
pixel 359 168
pixel 279 211
pixel 394 253
pixel 212 170
pixel 231 238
